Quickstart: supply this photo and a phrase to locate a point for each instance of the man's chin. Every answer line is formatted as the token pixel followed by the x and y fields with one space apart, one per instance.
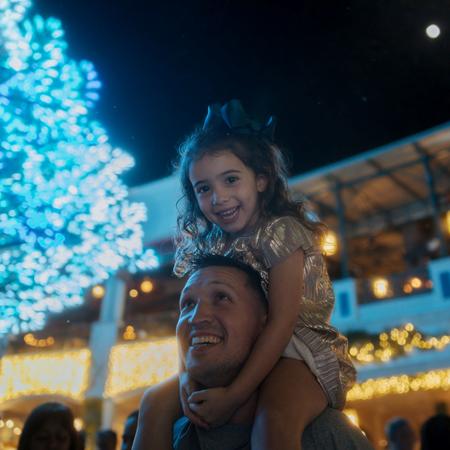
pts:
pixel 211 374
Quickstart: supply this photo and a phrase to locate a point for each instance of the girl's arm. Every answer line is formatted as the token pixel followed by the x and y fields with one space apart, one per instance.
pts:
pixel 285 290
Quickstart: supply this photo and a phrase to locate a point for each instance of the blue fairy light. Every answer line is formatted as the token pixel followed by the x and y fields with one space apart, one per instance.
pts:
pixel 66 221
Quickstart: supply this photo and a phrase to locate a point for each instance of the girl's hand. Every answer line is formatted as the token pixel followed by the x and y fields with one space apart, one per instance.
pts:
pixel 215 406
pixel 187 387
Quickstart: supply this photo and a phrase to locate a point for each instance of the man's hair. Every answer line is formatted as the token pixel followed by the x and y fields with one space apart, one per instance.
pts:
pixel 393 426
pixel 133 415
pixel 253 278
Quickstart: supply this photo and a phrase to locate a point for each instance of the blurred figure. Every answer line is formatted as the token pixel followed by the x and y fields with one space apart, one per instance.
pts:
pixel 399 434
pixel 81 440
pixel 49 427
pixel 106 440
pixel 435 433
pixel 129 430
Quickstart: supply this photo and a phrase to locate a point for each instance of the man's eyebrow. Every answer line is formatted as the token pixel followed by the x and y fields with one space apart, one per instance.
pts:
pixel 227 172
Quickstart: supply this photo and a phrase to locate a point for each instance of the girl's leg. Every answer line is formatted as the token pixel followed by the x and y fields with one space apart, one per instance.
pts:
pixel 289 399
pixel 160 408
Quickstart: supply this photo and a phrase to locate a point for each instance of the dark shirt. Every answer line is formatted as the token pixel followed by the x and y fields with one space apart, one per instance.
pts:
pixel 331 430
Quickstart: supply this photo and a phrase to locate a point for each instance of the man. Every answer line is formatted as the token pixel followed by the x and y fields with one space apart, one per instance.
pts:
pixel 129 430
pixel 400 435
pixel 106 440
pixel 222 311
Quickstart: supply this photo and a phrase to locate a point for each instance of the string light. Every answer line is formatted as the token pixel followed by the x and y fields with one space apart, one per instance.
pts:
pixel 380 287
pixel 133 293
pixel 329 243
pixel 98 291
pixel 24 375
pixel 141 364
pixel 147 286
pixel 78 423
pixel 29 339
pixel 397 342
pixel 67 223
pixel 129 334
pixel 401 384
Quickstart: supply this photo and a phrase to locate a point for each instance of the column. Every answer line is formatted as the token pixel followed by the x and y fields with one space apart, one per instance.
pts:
pixel 99 411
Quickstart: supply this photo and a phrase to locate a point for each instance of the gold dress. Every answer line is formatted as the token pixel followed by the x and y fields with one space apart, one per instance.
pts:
pixel 314 340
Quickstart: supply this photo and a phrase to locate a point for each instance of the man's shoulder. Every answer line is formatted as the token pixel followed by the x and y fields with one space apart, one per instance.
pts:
pixel 333 430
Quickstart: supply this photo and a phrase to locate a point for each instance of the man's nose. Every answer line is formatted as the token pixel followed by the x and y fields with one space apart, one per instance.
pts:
pixel 201 313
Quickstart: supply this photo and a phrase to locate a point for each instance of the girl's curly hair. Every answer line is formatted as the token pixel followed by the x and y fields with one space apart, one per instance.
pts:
pixel 257 153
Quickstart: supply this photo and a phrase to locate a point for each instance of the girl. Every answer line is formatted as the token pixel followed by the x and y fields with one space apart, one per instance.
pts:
pixel 237 204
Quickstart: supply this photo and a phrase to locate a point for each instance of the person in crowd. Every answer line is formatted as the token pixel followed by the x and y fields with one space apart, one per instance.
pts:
pixel 237 203
pixel 399 434
pixel 106 440
pixel 223 311
pixel 435 433
pixel 49 426
pixel 129 430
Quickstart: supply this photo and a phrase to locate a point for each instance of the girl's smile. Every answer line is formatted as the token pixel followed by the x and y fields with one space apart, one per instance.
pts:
pixel 227 191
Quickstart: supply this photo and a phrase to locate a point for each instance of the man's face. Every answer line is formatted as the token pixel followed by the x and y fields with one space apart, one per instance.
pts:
pixel 220 318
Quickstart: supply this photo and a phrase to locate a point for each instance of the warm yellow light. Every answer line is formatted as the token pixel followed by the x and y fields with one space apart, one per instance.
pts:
pixel 29 339
pixel 329 243
pixel 133 293
pixel 416 282
pixel 147 286
pixel 78 423
pixel 141 364
pixel 129 334
pixel 352 414
pixel 407 288
pixel 395 343
pixel 98 291
pixel 401 384
pixel 56 373
pixel 2 424
pixel 447 221
pixel 380 287
pixel 17 431
pixel 9 423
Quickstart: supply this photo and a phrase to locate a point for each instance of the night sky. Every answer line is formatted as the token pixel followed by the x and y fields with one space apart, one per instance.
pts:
pixel 342 77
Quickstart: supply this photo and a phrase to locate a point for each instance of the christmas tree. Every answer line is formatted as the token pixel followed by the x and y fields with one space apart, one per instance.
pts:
pixel 65 220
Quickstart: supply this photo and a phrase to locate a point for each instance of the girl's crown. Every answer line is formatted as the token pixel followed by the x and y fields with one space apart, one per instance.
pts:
pixel 232 116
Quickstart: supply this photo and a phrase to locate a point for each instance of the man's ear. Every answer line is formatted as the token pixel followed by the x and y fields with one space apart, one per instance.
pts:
pixel 261 183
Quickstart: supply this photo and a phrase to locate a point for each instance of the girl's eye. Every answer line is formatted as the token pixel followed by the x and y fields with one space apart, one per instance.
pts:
pixel 223 296
pixel 231 179
pixel 202 189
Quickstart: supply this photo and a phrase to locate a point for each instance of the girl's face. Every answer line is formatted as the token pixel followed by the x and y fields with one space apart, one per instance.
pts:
pixel 227 191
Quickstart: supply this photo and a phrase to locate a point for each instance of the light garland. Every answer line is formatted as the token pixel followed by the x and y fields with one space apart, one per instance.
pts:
pixel 401 384
pixel 66 222
pixel 141 364
pixel 64 373
pixel 397 342
pixel 30 340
